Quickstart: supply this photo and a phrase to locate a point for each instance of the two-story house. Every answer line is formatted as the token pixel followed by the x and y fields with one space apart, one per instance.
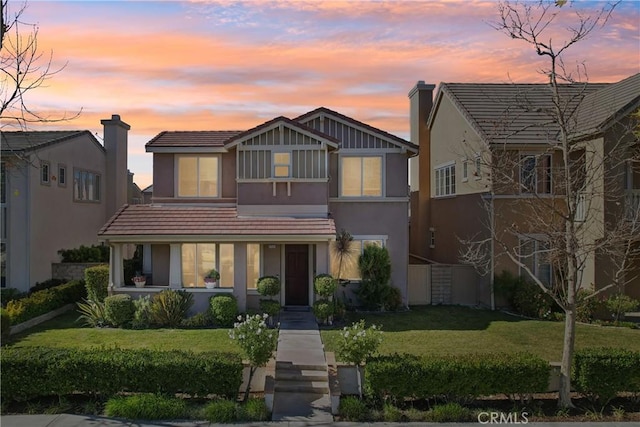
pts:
pixel 489 165
pixel 266 201
pixel 58 189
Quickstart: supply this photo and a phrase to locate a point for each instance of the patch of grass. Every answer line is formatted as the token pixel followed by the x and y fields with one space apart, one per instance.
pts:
pixel 443 330
pixel 64 331
pixel 221 411
pixel 146 407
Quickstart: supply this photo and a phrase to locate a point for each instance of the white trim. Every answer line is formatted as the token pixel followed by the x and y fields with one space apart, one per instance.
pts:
pixel 187 150
pixel 442 165
pixel 284 124
pixel 368 199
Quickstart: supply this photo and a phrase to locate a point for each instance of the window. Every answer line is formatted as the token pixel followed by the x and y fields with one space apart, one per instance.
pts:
pixel 253 265
pixel 281 165
pixel 535 174
pixel 45 173
pixel 347 267
pixel 446 180
pixel 478 171
pixel 198 176
pixel 62 175
pixel 199 258
pixel 86 186
pixel 361 176
pixel 534 254
pixel 465 170
pixel 432 237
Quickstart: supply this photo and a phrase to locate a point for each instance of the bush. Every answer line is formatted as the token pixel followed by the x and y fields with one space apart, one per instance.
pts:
pixel 224 309
pixel 198 320
pixel 97 280
pixel 256 410
pixel 9 294
pixel 84 254
pixel 47 284
pixel 353 409
pixel 269 307
pixel 93 314
pixel 119 310
pixel 142 317
pixel 221 411
pixel 449 413
pixel 324 285
pixel 42 302
pixel 146 407
pixel 525 298
pixel 375 268
pixel 5 325
pixel 392 414
pixel 393 299
pixel 620 304
pixel 456 377
pixel 601 373
pixel 323 309
pixel 586 308
pixel 268 286
pixel 108 371
pixel 169 307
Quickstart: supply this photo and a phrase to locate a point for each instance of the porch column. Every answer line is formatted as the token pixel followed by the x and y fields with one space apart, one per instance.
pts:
pixel 146 259
pixel 116 270
pixel 311 272
pixel 322 258
pixel 175 266
pixel 240 275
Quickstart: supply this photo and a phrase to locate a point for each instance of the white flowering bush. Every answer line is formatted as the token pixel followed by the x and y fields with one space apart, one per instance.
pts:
pixel 357 343
pixel 256 340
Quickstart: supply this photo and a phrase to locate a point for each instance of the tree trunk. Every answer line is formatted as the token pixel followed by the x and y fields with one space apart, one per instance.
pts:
pixel 252 370
pixel 564 395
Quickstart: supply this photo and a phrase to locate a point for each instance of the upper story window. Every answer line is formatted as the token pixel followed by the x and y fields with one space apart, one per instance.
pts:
pixel 361 176
pixel 465 170
pixel 281 165
pixel 86 186
pixel 45 172
pixel 198 176
pixel 478 164
pixel 535 174
pixel 446 180
pixel 62 175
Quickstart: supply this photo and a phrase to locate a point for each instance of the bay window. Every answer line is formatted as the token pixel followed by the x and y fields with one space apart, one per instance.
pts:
pixel 361 176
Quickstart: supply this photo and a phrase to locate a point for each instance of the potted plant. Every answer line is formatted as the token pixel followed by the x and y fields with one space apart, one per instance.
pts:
pixel 139 280
pixel 211 279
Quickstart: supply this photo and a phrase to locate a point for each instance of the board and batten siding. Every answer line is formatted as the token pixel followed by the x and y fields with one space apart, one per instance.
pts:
pixel 350 137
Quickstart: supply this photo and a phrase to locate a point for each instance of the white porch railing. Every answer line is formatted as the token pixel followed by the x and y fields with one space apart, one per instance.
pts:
pixel 633 205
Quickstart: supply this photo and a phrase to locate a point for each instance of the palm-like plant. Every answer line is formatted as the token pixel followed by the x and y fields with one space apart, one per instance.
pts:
pixel 343 251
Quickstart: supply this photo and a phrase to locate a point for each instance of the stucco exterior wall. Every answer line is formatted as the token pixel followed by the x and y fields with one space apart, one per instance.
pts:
pixel 18 202
pixel 397 178
pixel 163 175
pixel 302 193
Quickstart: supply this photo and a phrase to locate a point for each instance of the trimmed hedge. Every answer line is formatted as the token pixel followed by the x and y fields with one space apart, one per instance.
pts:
pixel 455 377
pixel 119 310
pixel 602 373
pixel 5 325
pixel 224 309
pixel 108 371
pixel 324 285
pixel 97 279
pixel 42 302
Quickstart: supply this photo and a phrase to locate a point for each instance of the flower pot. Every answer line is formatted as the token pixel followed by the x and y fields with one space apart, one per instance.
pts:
pixel 210 284
pixel 140 283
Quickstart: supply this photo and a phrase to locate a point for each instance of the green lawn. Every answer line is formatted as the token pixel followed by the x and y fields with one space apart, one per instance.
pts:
pixel 64 331
pixel 458 330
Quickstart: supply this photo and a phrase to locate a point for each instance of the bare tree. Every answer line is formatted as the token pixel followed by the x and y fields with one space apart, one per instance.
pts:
pixel 23 68
pixel 572 208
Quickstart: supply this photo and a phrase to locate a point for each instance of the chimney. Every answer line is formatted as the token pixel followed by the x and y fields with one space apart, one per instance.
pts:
pixel 115 144
pixel 420 104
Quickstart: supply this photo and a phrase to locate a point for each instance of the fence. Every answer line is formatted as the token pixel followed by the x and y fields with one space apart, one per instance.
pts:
pixel 442 284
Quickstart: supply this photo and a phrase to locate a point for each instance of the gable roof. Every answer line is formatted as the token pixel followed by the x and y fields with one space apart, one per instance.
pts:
pixel 323 111
pixel 511 113
pixel 24 141
pixel 233 141
pixel 211 138
pixel 599 109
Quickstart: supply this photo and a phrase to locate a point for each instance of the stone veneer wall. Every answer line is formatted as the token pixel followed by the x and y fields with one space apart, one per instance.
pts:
pixel 71 270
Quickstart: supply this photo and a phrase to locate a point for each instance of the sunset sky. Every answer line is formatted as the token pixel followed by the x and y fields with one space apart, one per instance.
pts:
pixel 233 65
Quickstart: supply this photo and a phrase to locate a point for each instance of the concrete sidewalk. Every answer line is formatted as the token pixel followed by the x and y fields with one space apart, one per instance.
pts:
pixel 65 420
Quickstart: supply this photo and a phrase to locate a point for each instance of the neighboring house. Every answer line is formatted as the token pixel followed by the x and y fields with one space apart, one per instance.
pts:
pixel 147 194
pixel 266 201
pixel 58 189
pixel 470 126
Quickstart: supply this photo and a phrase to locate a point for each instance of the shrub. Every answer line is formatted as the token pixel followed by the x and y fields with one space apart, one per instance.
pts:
pixel 268 286
pixel 9 294
pixel 392 414
pixel 269 307
pixel 142 317
pixel 146 407
pixel 324 285
pixel 93 314
pixel 449 413
pixel 586 308
pixel 601 373
pixel 357 344
pixel 5 325
pixel 353 409
pixel 256 410
pixel 97 280
pixel 620 304
pixel 169 307
pixel 221 411
pixel 198 320
pixel 323 309
pixel 42 302
pixel 47 284
pixel 224 309
pixel 393 299
pixel 83 254
pixel 456 377
pixel 524 297
pixel 375 268
pixel 108 371
pixel 119 310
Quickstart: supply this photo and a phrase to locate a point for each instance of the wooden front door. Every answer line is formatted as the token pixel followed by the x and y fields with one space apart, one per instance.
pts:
pixel 296 274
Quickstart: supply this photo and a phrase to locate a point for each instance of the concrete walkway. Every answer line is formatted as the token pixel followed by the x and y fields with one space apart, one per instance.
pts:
pixel 301 382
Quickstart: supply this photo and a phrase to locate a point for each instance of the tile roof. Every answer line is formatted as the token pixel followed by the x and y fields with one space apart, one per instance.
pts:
pixel 19 141
pixel 159 221
pixel 209 138
pixel 512 113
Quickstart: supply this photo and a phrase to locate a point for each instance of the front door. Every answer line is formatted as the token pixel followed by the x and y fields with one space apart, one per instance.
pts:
pixel 296 274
